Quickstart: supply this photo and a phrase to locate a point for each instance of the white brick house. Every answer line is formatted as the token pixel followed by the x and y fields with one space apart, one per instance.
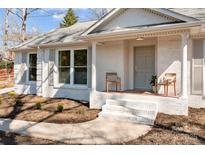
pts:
pixel 72 62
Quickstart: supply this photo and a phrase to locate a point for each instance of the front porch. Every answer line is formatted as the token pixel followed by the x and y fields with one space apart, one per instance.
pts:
pixel 136 60
pixel 144 92
pixel 169 105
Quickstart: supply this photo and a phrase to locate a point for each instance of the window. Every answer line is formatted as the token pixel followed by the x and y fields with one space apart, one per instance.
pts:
pixel 32 67
pixel 72 67
pixel 64 67
pixel 80 66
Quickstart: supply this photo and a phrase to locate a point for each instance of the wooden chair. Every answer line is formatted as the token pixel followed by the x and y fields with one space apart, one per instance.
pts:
pixel 168 80
pixel 112 79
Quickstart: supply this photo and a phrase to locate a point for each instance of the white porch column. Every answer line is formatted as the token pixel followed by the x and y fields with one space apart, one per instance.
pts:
pixel 184 80
pixel 203 79
pixel 93 84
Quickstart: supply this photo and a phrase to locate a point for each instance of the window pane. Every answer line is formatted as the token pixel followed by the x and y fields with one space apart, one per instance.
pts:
pixel 32 60
pixel 64 58
pixel 32 74
pixel 80 76
pixel 64 75
pixel 80 57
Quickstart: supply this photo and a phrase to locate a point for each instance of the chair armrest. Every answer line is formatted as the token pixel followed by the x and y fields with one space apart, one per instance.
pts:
pixel 118 79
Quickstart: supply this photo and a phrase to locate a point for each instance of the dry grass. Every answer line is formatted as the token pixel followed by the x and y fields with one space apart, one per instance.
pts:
pixel 173 129
pixel 6 84
pixel 47 113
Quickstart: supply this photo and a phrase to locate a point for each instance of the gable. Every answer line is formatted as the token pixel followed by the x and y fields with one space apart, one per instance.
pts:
pixel 128 18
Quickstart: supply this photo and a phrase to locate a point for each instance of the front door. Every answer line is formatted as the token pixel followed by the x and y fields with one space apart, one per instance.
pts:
pixel 144 66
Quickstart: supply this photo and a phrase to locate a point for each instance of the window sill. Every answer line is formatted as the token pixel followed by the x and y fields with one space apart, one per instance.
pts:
pixel 31 82
pixel 67 86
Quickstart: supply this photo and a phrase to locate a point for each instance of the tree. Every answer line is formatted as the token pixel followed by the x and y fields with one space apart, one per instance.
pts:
pixel 69 19
pixel 23 15
pixel 6 29
pixel 97 13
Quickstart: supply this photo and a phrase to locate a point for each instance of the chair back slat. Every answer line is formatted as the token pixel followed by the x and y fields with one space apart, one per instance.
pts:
pixel 111 76
pixel 171 77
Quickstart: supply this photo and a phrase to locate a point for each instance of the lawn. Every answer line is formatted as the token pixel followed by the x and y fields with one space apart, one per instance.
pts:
pixel 39 109
pixel 173 129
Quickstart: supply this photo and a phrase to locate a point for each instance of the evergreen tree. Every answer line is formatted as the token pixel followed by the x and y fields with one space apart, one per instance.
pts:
pixel 69 19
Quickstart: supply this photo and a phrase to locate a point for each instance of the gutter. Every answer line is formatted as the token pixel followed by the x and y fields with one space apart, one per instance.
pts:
pixel 49 45
pixel 142 30
pixel 86 38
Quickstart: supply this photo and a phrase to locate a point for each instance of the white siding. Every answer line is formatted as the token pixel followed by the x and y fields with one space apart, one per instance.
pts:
pixel 20 68
pixel 17 67
pixel 40 55
pixel 110 58
pixel 133 18
pixel 169 59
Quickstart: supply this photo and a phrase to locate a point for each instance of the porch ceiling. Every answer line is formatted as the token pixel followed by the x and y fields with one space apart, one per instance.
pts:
pixel 155 31
pixel 134 35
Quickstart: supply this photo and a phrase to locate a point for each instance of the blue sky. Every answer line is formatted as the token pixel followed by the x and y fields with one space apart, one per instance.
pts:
pixel 47 19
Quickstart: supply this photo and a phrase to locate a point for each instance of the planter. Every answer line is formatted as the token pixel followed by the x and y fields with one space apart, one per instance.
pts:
pixel 154 89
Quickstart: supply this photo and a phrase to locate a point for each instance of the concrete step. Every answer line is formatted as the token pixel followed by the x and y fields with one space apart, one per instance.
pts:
pixel 126 117
pixel 137 111
pixel 128 110
pixel 137 104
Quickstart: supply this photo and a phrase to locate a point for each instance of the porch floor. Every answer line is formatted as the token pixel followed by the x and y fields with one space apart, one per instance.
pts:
pixel 141 92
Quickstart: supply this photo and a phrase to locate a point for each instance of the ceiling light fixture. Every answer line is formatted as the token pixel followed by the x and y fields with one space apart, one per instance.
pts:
pixel 139 39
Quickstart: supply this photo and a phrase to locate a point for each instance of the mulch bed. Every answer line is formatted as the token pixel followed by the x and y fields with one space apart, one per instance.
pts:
pixel 14 139
pixel 74 111
pixel 173 129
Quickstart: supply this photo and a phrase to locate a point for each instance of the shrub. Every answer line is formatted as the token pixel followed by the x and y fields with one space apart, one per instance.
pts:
pixel 38 105
pixel 12 93
pixel 6 64
pixel 178 124
pixel 60 108
pixel 19 102
pixel 80 111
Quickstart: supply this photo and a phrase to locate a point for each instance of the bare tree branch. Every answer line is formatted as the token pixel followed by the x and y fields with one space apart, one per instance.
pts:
pixel 97 13
pixel 32 10
pixel 16 14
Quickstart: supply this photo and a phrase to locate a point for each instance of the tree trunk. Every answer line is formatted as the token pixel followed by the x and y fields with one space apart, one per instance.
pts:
pixel 24 18
pixel 6 32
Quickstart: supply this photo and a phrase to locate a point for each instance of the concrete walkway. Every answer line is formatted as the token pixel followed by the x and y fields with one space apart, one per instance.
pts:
pixel 6 90
pixel 98 131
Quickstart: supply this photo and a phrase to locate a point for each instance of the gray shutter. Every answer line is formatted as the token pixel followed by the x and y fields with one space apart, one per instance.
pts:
pixel 23 67
pixel 197 67
pixel 51 67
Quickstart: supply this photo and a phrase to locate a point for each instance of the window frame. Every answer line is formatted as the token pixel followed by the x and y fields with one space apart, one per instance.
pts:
pixel 58 66
pixel 80 66
pixel 71 85
pixel 28 66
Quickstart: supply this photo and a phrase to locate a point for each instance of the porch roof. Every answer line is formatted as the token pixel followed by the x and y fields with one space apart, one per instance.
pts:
pixel 144 31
